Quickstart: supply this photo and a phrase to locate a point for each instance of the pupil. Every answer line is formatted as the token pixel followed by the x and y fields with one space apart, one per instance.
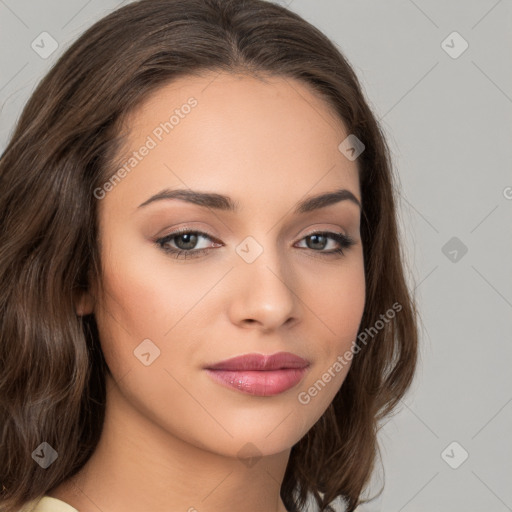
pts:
pixel 313 237
pixel 190 244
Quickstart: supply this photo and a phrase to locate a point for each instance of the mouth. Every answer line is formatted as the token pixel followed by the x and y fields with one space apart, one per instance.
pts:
pixel 259 374
pixel 261 362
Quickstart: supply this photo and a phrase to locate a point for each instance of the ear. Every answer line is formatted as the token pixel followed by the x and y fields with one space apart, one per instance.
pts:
pixel 84 303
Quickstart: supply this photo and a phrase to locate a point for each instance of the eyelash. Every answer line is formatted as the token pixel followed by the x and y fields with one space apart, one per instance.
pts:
pixel 343 240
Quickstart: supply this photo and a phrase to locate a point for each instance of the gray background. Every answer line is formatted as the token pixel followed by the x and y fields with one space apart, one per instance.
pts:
pixel 448 122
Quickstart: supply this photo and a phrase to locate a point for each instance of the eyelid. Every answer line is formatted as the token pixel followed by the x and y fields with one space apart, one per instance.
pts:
pixel 191 229
pixel 185 229
pixel 343 240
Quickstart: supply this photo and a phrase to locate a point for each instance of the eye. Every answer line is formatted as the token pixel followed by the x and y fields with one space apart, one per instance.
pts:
pixel 185 242
pixel 318 240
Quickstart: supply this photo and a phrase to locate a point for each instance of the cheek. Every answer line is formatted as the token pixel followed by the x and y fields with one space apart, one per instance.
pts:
pixel 148 296
pixel 126 311
pixel 337 306
pixel 336 299
pixel 142 286
pixel 143 320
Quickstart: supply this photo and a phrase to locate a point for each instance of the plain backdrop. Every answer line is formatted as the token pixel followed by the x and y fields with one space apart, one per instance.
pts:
pixel 438 75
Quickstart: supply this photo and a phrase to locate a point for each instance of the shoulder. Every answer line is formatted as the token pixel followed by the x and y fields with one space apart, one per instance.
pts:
pixel 47 504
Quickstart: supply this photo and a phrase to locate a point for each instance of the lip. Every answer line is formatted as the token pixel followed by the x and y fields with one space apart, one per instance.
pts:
pixel 259 374
pixel 261 362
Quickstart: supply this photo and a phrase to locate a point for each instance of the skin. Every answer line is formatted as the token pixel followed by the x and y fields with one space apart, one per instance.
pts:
pixel 172 435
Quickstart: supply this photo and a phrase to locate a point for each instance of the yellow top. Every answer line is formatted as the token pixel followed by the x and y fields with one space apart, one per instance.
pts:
pixel 47 504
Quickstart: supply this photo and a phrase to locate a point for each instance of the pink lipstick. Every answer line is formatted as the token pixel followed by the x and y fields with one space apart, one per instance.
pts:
pixel 259 374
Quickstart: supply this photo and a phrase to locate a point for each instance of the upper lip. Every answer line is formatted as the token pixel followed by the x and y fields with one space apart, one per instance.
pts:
pixel 280 360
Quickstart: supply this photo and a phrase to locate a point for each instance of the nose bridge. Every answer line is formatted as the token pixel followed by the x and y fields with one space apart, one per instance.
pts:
pixel 261 251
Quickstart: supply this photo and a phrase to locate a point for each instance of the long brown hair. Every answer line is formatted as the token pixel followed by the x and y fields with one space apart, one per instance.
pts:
pixel 52 370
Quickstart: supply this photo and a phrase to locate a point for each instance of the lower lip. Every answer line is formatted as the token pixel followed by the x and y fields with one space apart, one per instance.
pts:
pixel 260 383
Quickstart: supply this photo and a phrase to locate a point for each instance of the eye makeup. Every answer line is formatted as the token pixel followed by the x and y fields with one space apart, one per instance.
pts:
pixel 189 236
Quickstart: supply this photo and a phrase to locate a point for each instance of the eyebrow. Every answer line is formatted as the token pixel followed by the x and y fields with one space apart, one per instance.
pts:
pixel 225 203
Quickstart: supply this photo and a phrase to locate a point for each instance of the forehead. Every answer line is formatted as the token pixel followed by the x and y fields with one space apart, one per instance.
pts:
pixel 240 92
pixel 266 134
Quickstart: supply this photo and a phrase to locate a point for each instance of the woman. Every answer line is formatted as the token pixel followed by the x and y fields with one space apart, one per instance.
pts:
pixel 204 304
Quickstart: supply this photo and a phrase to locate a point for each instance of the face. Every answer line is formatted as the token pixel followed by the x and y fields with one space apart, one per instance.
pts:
pixel 261 271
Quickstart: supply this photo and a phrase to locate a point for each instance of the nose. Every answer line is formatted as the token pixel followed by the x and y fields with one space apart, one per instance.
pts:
pixel 263 294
